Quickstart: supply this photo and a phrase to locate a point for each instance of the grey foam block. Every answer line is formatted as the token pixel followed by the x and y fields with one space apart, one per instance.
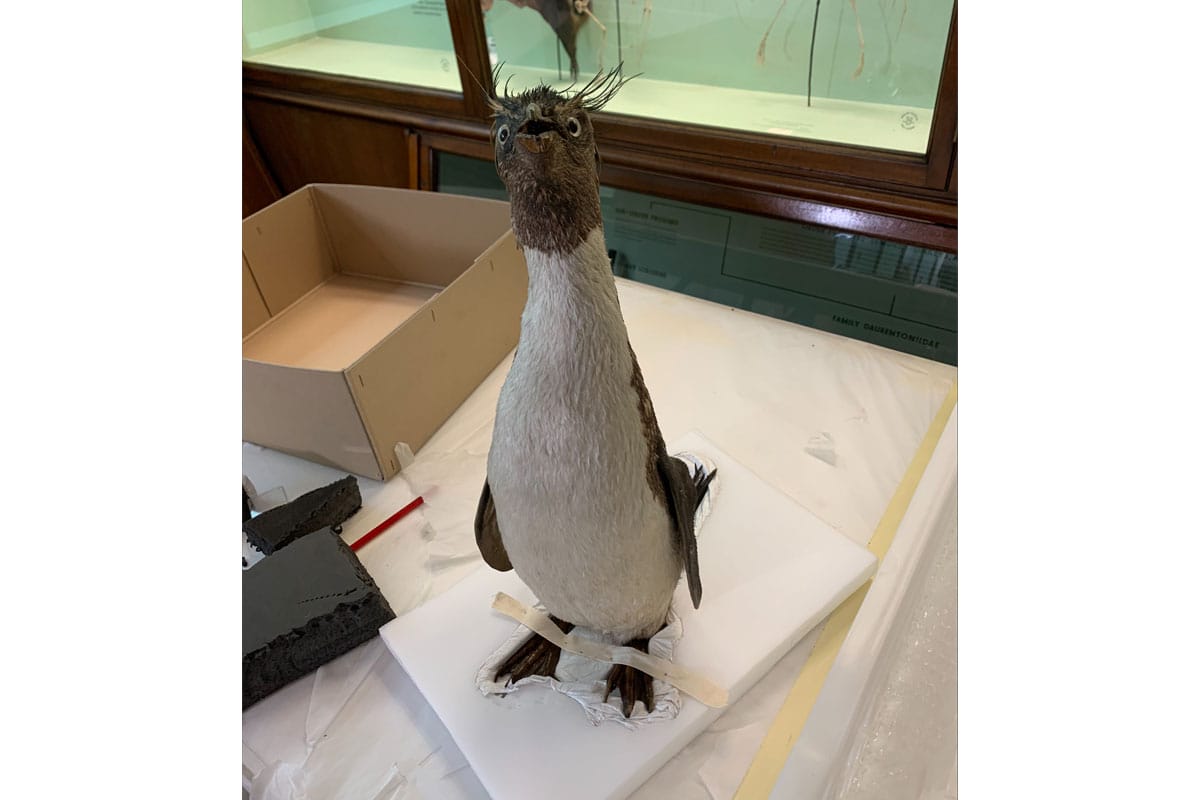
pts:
pixel 302 607
pixel 327 507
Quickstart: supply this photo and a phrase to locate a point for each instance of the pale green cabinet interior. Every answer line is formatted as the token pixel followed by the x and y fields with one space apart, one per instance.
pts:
pixel 869 76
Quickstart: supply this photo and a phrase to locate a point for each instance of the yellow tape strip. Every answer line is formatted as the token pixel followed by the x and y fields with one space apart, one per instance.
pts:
pixel 682 679
pixel 789 722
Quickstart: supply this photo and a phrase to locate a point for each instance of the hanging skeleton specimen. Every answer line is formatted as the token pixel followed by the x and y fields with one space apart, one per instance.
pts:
pixel 761 55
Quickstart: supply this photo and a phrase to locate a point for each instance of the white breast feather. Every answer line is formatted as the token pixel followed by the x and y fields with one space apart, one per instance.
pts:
pixel 567 467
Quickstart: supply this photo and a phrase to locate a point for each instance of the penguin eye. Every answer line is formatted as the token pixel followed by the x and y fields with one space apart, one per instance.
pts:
pixel 573 127
pixel 502 134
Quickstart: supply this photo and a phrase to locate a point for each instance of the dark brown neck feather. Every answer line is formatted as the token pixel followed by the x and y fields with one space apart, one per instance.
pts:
pixel 554 216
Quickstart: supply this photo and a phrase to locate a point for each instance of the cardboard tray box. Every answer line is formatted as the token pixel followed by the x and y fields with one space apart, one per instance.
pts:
pixel 368 315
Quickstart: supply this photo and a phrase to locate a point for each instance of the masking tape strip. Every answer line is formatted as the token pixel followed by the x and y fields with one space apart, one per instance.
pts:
pixel 404 455
pixel 685 681
pixel 789 722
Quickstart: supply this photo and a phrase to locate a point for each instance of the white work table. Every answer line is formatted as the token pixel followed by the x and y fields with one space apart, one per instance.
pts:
pixel 831 422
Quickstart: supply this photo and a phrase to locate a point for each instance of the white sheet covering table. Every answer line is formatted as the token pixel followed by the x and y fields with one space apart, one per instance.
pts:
pixel 830 422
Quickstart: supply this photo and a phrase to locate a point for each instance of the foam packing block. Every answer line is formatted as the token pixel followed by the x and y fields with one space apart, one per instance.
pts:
pixel 327 507
pixel 771 572
pixel 302 607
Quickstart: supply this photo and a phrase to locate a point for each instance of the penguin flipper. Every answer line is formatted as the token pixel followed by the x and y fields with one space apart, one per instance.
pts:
pixel 684 494
pixel 487 533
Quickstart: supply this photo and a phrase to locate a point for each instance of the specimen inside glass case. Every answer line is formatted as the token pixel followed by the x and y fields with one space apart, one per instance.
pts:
pixel 565 18
pixel 845 71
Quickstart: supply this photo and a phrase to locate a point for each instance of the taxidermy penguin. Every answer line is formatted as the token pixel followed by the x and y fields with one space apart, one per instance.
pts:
pixel 581 497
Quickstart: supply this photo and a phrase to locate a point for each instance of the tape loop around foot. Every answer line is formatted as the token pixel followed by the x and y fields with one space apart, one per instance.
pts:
pixel 682 679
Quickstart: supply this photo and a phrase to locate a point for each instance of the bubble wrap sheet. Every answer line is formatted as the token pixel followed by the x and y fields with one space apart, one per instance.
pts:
pixel 766 391
pixel 885 723
pixel 907 746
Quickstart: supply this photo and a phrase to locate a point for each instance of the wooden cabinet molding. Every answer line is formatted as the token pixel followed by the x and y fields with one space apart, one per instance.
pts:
pixel 877 222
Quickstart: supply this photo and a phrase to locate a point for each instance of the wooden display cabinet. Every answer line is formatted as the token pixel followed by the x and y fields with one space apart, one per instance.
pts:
pixel 302 127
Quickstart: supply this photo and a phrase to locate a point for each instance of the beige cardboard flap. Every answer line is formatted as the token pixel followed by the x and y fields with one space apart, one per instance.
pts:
pixel 398 234
pixel 254 310
pixel 286 250
pixel 418 376
pixel 309 413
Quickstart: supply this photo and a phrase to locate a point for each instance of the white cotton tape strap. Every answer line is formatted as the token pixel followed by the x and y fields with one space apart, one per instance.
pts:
pixel 697 686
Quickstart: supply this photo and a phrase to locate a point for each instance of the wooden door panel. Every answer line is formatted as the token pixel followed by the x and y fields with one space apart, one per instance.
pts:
pixel 304 145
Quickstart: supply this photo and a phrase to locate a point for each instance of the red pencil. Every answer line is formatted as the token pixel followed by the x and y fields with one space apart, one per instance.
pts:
pixel 387 523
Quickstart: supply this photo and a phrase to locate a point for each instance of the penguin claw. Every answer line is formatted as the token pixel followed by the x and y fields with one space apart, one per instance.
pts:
pixel 534 656
pixel 632 684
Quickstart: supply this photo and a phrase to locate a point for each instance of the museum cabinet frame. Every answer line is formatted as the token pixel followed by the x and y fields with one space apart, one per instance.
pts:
pixel 302 127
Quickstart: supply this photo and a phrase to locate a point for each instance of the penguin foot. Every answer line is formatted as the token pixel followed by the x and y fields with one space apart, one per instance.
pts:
pixel 535 656
pixel 633 684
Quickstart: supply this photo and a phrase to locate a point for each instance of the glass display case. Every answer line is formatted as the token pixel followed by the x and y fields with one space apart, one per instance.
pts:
pixel 899 296
pixel 832 113
pixel 863 74
pixel 398 41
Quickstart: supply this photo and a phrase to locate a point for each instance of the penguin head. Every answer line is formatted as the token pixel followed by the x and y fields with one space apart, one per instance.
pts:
pixel 543 138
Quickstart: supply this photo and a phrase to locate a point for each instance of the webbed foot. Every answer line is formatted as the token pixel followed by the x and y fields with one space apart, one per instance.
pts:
pixel 535 656
pixel 632 684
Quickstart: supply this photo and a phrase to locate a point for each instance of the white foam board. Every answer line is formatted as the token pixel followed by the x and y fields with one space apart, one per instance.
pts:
pixel 771 572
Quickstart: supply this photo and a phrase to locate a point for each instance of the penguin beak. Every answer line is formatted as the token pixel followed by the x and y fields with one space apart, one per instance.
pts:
pixel 535 144
pixel 537 131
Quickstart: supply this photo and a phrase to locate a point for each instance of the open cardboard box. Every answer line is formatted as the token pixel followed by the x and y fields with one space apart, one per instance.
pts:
pixel 368 315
